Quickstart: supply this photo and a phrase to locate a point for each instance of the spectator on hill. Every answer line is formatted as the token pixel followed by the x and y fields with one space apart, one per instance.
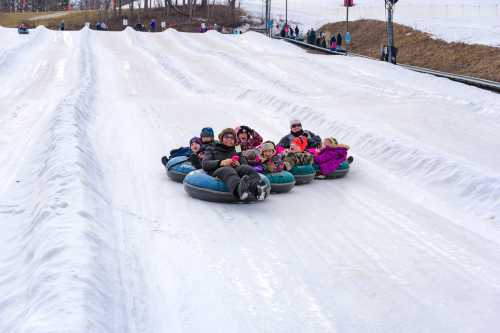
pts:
pixel 323 42
pixel 61 25
pixel 339 40
pixel 312 37
pixel 333 43
pixel 138 27
pixel 152 25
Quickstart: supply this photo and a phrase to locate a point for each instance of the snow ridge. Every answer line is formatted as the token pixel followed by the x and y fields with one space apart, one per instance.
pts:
pixel 478 192
pixel 37 36
pixel 167 63
pixel 62 229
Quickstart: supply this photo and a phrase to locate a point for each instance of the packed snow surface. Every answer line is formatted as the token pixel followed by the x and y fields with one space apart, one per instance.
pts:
pixel 48 16
pixel 95 238
pixel 469 21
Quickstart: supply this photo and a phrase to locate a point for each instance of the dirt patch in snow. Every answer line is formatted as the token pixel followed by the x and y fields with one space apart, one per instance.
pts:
pixel 422 49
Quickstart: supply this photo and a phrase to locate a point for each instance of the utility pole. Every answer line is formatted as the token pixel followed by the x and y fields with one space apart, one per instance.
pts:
pixel 347 19
pixel 347 4
pixel 286 13
pixel 389 6
pixel 269 26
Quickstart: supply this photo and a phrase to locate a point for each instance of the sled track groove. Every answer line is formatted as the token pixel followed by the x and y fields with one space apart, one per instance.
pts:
pixel 8 55
pixel 477 191
pixel 169 65
pixel 65 232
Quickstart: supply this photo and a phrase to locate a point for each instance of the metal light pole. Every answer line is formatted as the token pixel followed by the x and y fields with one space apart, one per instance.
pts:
pixel 389 6
pixel 347 19
pixel 286 13
pixel 347 4
pixel 269 29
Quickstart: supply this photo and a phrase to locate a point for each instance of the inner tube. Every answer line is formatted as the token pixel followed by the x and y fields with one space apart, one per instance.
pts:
pixel 303 174
pixel 341 171
pixel 281 182
pixel 201 185
pixel 178 168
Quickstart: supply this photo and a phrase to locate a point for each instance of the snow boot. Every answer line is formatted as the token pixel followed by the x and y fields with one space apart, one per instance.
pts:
pixel 259 188
pixel 350 159
pixel 164 160
pixel 263 190
pixel 244 187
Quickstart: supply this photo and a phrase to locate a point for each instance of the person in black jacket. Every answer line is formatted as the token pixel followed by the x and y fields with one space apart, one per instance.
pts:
pixel 312 37
pixel 222 161
pixel 313 140
pixel 339 40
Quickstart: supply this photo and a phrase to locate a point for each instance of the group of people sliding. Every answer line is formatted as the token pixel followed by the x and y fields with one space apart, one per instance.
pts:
pixel 241 153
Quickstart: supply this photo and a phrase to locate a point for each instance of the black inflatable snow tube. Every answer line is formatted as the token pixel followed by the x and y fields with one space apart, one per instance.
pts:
pixel 178 168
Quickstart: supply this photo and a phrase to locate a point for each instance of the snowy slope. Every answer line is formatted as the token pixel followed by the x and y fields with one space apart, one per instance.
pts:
pixel 95 238
pixel 469 21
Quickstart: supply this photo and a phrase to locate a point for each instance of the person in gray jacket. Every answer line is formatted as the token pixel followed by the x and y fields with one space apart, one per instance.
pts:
pixel 313 140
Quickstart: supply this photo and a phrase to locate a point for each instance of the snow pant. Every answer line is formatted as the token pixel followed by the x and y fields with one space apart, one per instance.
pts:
pixel 232 176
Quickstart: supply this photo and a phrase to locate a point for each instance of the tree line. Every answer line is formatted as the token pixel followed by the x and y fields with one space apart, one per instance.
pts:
pixel 182 6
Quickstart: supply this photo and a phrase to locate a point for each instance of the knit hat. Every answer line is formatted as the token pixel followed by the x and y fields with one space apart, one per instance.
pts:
pixel 207 131
pixel 243 129
pixel 268 145
pixel 197 140
pixel 225 132
pixel 301 142
pixel 294 122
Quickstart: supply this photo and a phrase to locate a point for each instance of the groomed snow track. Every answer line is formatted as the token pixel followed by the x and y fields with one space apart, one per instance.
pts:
pixel 95 238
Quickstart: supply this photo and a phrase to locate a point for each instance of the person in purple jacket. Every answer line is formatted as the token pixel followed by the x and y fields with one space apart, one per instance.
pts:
pixel 331 155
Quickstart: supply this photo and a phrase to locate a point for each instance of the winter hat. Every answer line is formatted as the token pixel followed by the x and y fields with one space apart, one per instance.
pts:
pixel 294 122
pixel 243 129
pixel 301 142
pixel 268 145
pixel 207 131
pixel 225 132
pixel 251 154
pixel 197 140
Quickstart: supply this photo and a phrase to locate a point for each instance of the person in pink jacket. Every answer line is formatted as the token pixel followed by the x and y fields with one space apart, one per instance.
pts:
pixel 247 138
pixel 331 155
